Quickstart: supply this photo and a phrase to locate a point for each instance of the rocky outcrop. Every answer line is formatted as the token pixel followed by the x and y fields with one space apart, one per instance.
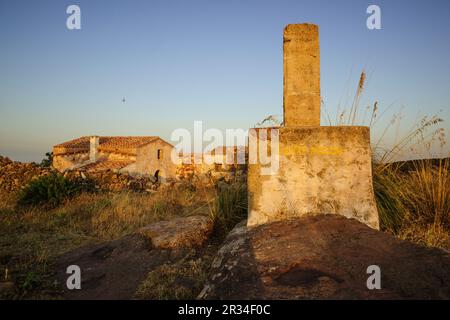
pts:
pixel 110 270
pixel 324 257
pixel 115 269
pixel 178 232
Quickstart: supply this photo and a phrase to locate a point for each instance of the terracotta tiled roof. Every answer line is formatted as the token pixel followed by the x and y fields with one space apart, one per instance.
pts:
pixel 123 144
pixel 102 165
pixel 127 145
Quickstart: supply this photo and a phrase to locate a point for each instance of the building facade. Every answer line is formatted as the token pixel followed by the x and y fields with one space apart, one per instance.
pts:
pixel 137 156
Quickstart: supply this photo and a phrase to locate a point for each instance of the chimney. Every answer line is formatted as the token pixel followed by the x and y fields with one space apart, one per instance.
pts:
pixel 301 103
pixel 93 152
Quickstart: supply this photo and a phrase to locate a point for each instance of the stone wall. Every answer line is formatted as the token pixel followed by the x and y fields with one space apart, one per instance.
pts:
pixel 14 175
pixel 147 161
pixel 67 161
pixel 113 181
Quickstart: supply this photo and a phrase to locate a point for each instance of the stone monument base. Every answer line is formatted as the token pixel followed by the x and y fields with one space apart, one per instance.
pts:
pixel 322 170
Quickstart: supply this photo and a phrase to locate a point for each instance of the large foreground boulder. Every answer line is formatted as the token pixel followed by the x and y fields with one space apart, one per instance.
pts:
pixel 110 270
pixel 178 232
pixel 324 257
pixel 115 269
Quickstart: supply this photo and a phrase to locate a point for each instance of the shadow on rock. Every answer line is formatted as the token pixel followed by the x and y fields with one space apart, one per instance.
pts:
pixel 324 257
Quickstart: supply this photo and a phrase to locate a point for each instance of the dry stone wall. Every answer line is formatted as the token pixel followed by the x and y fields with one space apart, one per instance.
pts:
pixel 14 175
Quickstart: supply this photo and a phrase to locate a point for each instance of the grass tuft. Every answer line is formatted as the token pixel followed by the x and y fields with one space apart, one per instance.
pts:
pixel 230 206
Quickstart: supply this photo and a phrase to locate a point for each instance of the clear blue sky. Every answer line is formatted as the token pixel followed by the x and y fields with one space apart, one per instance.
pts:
pixel 216 61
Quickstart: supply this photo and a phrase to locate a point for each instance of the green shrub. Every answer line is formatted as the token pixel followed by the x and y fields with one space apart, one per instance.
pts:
pixel 388 194
pixel 50 190
pixel 230 206
pixel 47 162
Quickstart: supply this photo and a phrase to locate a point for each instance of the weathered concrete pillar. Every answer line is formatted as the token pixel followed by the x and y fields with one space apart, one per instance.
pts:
pixel 94 142
pixel 320 170
pixel 301 75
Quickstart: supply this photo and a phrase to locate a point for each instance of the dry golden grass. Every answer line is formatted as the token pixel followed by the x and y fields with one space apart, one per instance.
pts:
pixel 183 279
pixel 30 238
pixel 429 191
pixel 413 204
pixel 414 200
pixel 429 235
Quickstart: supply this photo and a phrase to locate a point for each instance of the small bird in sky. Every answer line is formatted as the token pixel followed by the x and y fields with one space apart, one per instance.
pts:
pixel 123 100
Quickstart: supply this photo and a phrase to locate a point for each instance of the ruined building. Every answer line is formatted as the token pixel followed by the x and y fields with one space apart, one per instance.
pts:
pixel 143 156
pixel 322 169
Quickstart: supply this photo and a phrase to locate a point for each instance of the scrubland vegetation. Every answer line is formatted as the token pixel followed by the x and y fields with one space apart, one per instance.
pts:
pixel 414 202
pixel 33 232
pixel 413 197
pixel 51 215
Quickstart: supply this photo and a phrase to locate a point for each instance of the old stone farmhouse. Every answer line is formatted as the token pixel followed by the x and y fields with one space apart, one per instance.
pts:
pixel 144 156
